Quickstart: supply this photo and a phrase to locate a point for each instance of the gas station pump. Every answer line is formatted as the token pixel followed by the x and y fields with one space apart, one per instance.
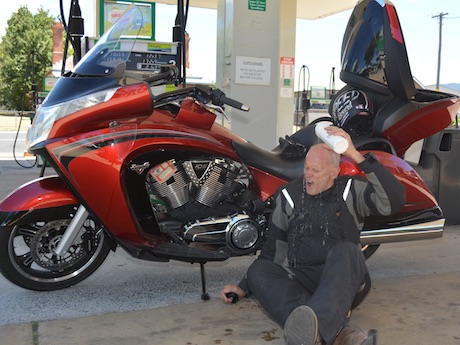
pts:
pixel 74 29
pixel 148 55
pixel 303 101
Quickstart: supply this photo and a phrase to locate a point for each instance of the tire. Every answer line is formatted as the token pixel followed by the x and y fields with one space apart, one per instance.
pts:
pixel 369 250
pixel 321 119
pixel 27 256
pixel 362 292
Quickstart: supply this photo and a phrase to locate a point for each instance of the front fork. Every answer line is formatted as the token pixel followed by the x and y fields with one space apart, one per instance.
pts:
pixel 73 231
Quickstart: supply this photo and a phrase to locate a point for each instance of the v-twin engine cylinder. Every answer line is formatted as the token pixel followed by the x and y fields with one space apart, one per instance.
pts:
pixel 212 180
pixel 206 181
pixel 170 182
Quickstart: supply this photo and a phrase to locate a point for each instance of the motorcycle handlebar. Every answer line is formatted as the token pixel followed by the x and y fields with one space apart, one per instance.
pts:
pixel 217 97
pixel 234 104
pixel 204 94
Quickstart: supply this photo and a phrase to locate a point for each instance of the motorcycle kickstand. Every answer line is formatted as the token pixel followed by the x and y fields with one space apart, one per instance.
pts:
pixel 204 294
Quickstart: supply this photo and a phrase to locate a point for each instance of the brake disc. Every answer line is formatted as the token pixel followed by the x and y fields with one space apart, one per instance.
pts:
pixel 43 245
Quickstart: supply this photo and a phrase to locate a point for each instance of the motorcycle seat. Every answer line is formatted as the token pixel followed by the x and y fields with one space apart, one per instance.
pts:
pixel 272 162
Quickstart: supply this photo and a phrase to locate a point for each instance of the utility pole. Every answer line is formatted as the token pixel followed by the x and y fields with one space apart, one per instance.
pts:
pixel 440 15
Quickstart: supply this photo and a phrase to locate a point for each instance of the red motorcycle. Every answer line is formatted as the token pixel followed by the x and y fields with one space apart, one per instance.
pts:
pixel 154 174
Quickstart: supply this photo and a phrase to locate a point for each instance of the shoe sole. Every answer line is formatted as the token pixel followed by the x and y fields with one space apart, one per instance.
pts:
pixel 371 338
pixel 301 327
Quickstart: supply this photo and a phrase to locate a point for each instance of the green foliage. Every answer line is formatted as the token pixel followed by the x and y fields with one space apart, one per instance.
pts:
pixel 25 56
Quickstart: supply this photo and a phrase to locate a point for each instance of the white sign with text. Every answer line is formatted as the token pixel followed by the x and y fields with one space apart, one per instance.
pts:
pixel 252 70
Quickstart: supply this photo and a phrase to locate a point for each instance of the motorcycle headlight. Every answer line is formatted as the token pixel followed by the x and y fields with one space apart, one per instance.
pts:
pixel 46 116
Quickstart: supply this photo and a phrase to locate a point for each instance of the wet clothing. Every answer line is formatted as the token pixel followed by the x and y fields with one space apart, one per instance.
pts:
pixel 317 223
pixel 312 255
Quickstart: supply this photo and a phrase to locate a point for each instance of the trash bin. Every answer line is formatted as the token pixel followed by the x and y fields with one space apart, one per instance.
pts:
pixel 440 168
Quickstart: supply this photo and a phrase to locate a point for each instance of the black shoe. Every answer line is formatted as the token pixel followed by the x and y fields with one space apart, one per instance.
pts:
pixel 301 327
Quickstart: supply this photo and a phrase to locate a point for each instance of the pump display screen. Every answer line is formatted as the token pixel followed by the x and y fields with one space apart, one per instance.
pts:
pixel 149 61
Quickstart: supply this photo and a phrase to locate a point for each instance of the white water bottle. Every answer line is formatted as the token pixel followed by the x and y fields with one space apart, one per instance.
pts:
pixel 336 142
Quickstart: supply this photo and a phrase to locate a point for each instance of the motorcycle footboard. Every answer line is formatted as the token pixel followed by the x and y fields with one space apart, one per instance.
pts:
pixel 186 253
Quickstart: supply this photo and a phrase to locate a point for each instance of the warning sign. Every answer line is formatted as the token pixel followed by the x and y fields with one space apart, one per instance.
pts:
pixel 286 67
pixel 162 172
pixel 252 70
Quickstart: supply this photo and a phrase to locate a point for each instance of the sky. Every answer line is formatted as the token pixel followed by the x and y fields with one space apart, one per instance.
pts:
pixel 318 42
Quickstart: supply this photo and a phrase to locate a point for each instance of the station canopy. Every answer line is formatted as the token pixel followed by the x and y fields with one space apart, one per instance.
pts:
pixel 306 9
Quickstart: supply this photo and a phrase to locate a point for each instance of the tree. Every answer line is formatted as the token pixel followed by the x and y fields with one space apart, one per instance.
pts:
pixel 25 53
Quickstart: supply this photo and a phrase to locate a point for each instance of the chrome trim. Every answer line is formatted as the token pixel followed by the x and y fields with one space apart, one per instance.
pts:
pixel 73 231
pixel 428 230
pixel 226 222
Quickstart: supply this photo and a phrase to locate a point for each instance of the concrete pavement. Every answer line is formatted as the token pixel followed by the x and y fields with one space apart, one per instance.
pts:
pixel 415 310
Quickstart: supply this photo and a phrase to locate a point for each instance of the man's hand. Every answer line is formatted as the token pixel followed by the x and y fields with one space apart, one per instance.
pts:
pixel 231 288
pixel 351 152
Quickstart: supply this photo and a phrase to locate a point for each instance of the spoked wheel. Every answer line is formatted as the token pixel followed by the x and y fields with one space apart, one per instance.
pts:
pixel 28 258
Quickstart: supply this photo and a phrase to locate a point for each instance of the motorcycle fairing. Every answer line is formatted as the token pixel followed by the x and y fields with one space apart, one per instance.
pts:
pixel 417 192
pixel 192 115
pixel 421 217
pixel 106 152
pixel 43 197
pixel 424 120
pixel 46 192
pixel 67 89
pixel 118 108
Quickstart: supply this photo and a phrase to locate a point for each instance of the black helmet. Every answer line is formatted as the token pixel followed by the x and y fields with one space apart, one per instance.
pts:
pixel 352 110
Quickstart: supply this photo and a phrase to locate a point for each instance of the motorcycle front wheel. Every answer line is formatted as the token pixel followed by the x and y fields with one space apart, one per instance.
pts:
pixel 28 258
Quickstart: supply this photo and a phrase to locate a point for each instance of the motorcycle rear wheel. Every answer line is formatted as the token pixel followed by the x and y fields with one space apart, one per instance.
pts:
pixel 369 250
pixel 27 256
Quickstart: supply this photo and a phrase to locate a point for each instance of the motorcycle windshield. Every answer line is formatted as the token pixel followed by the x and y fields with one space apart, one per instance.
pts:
pixel 113 49
pixel 373 50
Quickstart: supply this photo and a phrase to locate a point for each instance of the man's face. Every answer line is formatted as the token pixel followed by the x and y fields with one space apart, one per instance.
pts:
pixel 319 171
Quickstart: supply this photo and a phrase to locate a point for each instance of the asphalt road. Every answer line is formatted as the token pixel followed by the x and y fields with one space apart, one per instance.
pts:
pixel 13 145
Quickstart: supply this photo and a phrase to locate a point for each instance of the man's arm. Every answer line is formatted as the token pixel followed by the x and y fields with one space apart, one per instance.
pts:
pixel 384 194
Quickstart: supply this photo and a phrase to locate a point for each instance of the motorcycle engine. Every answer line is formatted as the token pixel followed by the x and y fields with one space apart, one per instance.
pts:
pixel 204 196
pixel 206 181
